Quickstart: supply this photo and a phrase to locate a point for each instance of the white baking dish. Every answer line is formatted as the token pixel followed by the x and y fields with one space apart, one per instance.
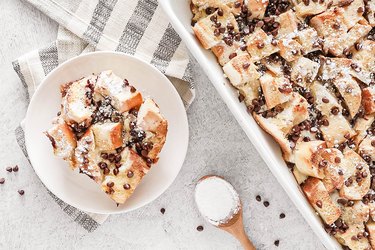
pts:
pixel 180 17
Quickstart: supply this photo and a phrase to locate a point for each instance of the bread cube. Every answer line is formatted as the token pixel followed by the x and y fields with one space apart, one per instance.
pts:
pixel 240 70
pixel 359 213
pixel 351 14
pixel 124 97
pixel 332 27
pixel 309 40
pixel 300 178
pixel 257 8
pixel 62 139
pixel 358 31
pixel 288 25
pixel 347 237
pixel 304 71
pixel 275 66
pixel 276 90
pixel 361 125
pixel 76 105
pixel 332 68
pixel 290 49
pixel 108 136
pixel 250 91
pixel 87 158
pixel 259 45
pixel 366 147
pixel 131 172
pixel 332 170
pixel 206 31
pixel 156 127
pixel 350 164
pixel 319 198
pixel 313 8
pixel 350 92
pixel 306 158
pixel 365 59
pixel 338 127
pixel 223 52
pixel 368 99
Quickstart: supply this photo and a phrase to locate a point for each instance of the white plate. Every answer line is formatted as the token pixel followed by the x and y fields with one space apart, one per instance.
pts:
pixel 77 189
pixel 180 15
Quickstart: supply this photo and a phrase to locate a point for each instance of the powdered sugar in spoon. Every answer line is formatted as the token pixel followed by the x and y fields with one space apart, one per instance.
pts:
pixel 219 203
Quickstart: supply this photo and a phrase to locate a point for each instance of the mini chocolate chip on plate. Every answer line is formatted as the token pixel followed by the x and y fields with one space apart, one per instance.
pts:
pixel 282 216
pixel 15 168
pixel 266 203
pixel 162 210
pixel 199 228
pixel 21 192
pixel 2 180
pixel 9 169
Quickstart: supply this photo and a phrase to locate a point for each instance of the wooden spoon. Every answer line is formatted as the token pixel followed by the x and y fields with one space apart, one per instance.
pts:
pixel 234 226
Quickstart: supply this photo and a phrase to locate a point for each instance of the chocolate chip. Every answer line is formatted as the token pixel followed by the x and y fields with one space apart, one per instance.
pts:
pixel 260 45
pixel 233 55
pixel 274 42
pixel 213 18
pixel 358 46
pixel 130 174
pixel 222 30
pixel 243 47
pixel 15 168
pixel 325 100
pixel 162 210
pixel 282 216
pixel 319 204
pixel 342 201
pixel 230 26
pixel 337 159
pixel 360 10
pixel 118 165
pixel 2 180
pixel 116 171
pixel 216 32
pixel 266 203
pixel 364 175
pixel 132 89
pixel 325 122
pixel 246 65
pixel 335 110
pixel 111 157
pixel 9 169
pixel 220 12
pixel 110 184
pixel 209 10
pixel 277 242
pixel 336 26
pixel 126 186
pixel 106 171
pixel 199 228
pixel 373 143
pixel 102 165
pixel 237 4
pixel 21 192
pixel 340 172
pixel 149 161
pixel 258 198
pixel 126 82
pixel 117 158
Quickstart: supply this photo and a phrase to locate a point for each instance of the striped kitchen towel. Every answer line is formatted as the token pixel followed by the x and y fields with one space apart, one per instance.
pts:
pixel 136 27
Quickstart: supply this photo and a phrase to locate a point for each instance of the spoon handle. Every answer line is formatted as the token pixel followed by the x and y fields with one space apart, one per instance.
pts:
pixel 244 240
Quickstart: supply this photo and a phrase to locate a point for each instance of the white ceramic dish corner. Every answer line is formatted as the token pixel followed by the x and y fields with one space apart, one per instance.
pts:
pixel 180 16
pixel 77 189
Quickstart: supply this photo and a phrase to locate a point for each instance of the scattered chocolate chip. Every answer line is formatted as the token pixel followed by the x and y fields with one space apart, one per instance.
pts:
pixel 336 26
pixel 102 165
pixel 373 143
pixel 274 42
pixel 260 45
pixel 9 169
pixel 126 186
pixel 132 89
pixel 258 198
pixel 199 228
pixel 162 210
pixel 2 180
pixel 335 110
pixel 277 242
pixel 243 47
pixel 340 172
pixel 15 168
pixel 282 216
pixel 342 201
pixel 266 203
pixel 117 158
pixel 360 10
pixel 110 184
pixel 337 159
pixel 364 175
pixel 209 10
pixel 21 192
pixel 220 12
